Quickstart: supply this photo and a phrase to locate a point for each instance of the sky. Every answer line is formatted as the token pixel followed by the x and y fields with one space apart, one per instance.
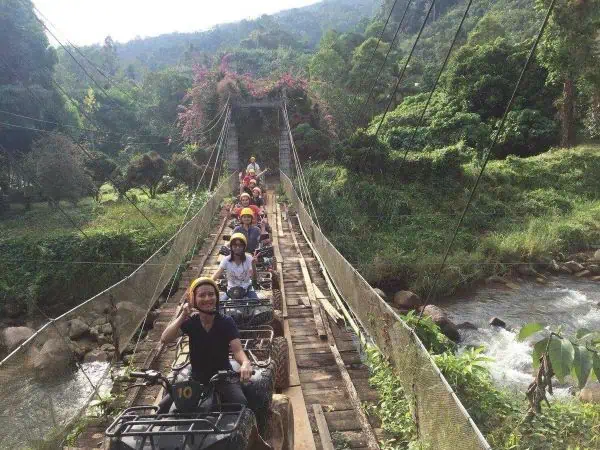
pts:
pixel 86 22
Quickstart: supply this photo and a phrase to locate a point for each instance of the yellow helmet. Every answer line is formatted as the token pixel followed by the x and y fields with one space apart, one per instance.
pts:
pixel 244 194
pixel 246 212
pixel 239 236
pixel 252 159
pixel 251 171
pixel 199 282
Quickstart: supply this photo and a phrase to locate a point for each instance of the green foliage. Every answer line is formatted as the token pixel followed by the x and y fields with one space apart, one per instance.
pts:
pixel 526 133
pixel 146 170
pixel 57 166
pixel 393 408
pixel 99 168
pixel 363 153
pixel 577 355
pixel 429 333
pixel 311 143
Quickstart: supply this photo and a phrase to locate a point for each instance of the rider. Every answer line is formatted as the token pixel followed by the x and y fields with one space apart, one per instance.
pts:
pixel 257 198
pixel 238 266
pixel 245 202
pixel 211 337
pixel 253 165
pixel 251 232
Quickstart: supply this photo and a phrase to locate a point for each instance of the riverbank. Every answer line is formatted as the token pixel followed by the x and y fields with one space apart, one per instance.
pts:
pixel 395 227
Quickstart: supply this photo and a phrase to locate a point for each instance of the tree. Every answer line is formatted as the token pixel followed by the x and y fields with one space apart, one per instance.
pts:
pixel 185 170
pixel 567 51
pixel 327 65
pixel 146 170
pixel 57 166
pixel 99 169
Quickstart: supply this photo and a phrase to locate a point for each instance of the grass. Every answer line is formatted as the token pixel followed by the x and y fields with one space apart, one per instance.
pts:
pixel 395 227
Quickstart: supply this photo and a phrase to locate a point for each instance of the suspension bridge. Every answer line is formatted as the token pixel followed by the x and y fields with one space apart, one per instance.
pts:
pixel 328 313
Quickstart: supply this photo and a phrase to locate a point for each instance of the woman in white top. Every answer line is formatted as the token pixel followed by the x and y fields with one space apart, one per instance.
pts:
pixel 239 266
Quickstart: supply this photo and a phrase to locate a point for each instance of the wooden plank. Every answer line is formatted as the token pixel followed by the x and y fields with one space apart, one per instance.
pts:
pixel 328 307
pixel 324 434
pixel 279 226
pixel 303 436
pixel 294 377
pixel 309 289
pixel 354 398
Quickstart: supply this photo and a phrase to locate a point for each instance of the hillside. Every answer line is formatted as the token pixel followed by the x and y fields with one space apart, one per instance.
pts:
pixel 304 25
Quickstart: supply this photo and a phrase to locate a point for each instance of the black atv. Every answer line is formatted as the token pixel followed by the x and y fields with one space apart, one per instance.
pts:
pixel 196 419
pixel 254 314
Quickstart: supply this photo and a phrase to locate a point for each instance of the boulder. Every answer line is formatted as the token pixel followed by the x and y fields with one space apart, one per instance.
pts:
pixel 596 278
pixel 380 293
pixel 12 337
pixel 495 279
pixel 109 348
pixel 404 300
pixel 596 256
pixel 129 315
pixel 106 329
pixel 440 318
pixel 54 356
pixel 78 328
pixel 541 280
pixel 594 268
pixel 99 322
pixel 553 266
pixel 583 273
pixel 496 322
pixel 95 355
pixel 526 270
pixel 467 326
pixel 564 269
pixel 590 393
pixel 573 266
pixel 103 339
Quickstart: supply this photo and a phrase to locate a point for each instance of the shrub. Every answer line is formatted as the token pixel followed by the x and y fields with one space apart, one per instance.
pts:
pixel 526 132
pixel 363 153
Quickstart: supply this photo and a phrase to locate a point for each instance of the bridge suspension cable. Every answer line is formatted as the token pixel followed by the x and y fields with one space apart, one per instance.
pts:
pixel 487 154
pixel 368 66
pixel 219 144
pixel 363 109
pixel 299 170
pixel 439 76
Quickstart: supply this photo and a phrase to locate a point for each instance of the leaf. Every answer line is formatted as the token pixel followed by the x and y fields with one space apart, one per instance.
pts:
pixel 596 365
pixel 561 354
pixel 538 349
pixel 582 332
pixel 528 329
pixel 582 364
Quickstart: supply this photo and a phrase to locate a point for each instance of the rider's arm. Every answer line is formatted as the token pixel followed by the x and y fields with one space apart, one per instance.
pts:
pixel 240 356
pixel 172 330
pixel 218 273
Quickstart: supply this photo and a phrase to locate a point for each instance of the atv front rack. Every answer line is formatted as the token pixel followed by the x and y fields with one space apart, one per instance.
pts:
pixel 256 343
pixel 143 422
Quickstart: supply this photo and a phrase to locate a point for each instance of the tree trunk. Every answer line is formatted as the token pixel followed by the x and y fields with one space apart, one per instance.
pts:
pixel 567 114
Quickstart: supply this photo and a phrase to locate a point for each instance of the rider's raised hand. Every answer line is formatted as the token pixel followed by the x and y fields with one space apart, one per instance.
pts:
pixel 186 310
pixel 245 371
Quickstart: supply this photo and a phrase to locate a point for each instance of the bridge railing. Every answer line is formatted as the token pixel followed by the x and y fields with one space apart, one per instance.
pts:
pixel 46 382
pixel 442 421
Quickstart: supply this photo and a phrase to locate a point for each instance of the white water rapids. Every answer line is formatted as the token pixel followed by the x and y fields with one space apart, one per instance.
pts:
pixel 565 302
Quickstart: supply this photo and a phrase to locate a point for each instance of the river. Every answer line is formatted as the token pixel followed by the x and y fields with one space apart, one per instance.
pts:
pixel 565 301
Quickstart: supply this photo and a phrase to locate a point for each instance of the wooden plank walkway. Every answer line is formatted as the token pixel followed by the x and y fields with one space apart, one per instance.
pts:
pixel 320 377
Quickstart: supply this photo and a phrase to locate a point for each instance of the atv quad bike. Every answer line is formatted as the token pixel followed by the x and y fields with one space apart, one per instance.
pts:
pixel 196 419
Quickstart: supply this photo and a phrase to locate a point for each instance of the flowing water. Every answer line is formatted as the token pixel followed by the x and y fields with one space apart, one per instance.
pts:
pixel 565 301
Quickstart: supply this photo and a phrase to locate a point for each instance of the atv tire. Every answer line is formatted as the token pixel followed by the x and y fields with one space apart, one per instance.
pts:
pixel 280 354
pixel 277 299
pixel 277 323
pixel 283 407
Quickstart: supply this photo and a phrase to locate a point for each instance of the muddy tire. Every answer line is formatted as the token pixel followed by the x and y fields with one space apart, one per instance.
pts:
pixel 277 323
pixel 277 299
pixel 276 280
pixel 283 407
pixel 281 357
